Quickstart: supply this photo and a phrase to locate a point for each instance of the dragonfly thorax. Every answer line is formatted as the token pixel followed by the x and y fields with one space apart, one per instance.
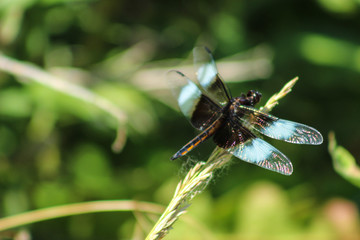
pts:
pixel 250 99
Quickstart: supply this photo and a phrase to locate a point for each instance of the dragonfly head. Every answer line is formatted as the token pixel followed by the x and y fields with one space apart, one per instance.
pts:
pixel 251 99
pixel 254 97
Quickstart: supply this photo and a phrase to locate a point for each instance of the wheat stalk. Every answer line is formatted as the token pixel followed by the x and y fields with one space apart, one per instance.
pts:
pixel 193 183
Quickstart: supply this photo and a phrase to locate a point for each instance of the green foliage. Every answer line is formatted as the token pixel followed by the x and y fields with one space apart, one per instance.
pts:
pixel 261 210
pixel 49 194
pixel 328 51
pixel 344 163
pixel 56 138
pixel 91 172
pixel 15 103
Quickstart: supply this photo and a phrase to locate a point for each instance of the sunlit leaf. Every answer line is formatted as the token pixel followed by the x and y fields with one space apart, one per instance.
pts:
pixel 329 51
pixel 51 193
pixel 344 163
pixel 15 201
pixel 228 30
pixel 264 209
pixel 14 102
pixel 55 2
pixel 62 105
pixel 339 6
pixel 136 105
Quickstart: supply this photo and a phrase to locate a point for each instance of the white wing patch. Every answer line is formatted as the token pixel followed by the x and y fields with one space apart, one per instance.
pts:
pixel 261 153
pixel 206 73
pixel 189 94
pixel 292 132
pixel 277 128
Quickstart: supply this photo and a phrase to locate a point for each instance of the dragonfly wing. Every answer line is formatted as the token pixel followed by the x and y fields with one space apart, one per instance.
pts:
pixel 277 128
pixel 243 144
pixel 199 109
pixel 208 76
pixel 261 153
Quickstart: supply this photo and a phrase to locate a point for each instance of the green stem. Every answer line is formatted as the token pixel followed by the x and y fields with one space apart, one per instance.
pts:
pixel 76 209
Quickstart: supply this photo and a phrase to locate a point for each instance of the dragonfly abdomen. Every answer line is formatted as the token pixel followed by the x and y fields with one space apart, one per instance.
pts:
pixel 202 137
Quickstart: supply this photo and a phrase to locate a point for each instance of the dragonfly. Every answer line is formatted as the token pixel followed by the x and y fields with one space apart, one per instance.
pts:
pixel 233 122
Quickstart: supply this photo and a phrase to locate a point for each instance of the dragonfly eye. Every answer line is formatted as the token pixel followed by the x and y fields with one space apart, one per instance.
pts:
pixel 253 97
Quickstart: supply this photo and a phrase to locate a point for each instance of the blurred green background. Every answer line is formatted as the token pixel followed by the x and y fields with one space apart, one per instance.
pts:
pixel 56 149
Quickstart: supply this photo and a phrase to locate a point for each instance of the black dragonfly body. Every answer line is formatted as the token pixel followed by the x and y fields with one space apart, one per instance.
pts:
pixel 233 122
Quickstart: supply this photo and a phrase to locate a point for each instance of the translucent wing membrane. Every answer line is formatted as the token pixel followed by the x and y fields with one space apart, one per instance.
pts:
pixel 276 128
pixel 261 153
pixel 243 144
pixel 199 109
pixel 208 76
